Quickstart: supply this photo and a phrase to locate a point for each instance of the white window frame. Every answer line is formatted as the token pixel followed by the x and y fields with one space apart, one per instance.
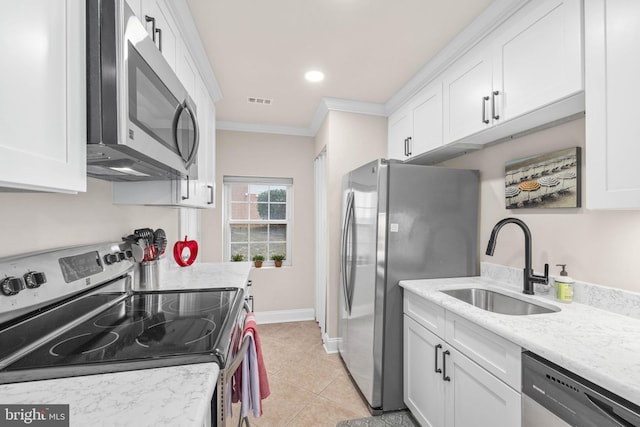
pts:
pixel 288 183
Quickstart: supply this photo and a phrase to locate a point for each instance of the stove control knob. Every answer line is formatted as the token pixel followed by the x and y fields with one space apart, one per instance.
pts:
pixel 110 258
pixel 121 256
pixel 34 279
pixel 11 285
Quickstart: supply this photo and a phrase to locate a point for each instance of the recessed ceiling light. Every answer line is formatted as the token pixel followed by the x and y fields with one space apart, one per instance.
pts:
pixel 314 76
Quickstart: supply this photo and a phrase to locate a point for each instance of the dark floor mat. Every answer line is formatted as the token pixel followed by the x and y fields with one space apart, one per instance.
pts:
pixel 392 419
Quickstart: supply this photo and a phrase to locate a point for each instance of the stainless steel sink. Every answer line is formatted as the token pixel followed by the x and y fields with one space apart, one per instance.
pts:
pixel 497 302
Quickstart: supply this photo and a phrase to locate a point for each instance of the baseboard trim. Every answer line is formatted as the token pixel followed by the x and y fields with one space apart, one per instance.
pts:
pixel 330 344
pixel 283 316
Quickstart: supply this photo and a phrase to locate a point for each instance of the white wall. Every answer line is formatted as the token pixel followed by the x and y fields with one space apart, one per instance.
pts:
pixel 351 141
pixel 600 247
pixel 266 155
pixel 37 221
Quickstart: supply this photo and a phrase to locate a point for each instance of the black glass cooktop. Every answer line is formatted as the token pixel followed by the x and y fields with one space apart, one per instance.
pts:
pixel 144 330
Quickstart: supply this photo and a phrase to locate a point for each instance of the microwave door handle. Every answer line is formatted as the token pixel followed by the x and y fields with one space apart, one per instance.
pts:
pixel 196 135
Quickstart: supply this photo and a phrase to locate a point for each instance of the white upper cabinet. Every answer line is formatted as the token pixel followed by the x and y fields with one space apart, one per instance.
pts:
pixel 399 129
pixel 532 60
pixel 468 95
pixel 538 57
pixel 612 67
pixel 43 110
pixel 524 74
pixel 417 128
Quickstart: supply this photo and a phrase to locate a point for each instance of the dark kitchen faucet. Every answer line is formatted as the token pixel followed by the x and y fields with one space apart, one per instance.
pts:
pixel 529 278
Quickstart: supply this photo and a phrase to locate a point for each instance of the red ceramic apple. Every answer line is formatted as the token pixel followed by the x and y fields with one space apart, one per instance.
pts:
pixel 191 246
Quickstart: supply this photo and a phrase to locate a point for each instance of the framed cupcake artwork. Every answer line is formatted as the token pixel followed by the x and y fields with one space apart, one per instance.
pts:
pixel 550 180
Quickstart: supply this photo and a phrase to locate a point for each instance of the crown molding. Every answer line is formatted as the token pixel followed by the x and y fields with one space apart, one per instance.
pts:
pixel 263 128
pixel 187 27
pixel 326 105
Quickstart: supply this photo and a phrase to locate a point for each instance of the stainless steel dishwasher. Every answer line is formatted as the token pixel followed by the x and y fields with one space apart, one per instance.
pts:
pixel 555 397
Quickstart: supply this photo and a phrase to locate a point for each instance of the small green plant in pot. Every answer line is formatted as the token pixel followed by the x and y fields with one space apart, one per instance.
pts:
pixel 277 259
pixel 257 260
pixel 237 257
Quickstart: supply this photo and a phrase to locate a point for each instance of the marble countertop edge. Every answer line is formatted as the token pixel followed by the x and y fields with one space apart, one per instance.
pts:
pixel 579 337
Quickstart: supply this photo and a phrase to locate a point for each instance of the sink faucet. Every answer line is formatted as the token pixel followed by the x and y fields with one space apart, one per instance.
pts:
pixel 529 277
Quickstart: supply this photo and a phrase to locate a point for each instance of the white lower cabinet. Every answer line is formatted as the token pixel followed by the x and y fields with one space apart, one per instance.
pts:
pixel 445 388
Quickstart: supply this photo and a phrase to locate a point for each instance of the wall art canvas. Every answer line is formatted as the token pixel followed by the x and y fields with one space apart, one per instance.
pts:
pixel 550 180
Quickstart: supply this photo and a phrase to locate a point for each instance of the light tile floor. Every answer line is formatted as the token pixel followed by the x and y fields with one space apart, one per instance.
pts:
pixel 309 388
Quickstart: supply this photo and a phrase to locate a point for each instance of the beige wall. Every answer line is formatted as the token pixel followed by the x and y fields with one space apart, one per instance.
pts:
pixel 600 247
pixel 266 155
pixel 37 221
pixel 351 140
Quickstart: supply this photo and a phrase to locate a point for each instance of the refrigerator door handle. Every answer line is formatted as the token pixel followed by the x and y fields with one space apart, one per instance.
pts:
pixel 348 223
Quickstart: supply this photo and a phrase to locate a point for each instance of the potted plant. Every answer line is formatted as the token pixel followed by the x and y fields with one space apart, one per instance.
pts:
pixel 277 259
pixel 257 260
pixel 237 257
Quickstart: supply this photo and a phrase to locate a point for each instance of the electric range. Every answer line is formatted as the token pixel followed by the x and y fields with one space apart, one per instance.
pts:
pixel 74 311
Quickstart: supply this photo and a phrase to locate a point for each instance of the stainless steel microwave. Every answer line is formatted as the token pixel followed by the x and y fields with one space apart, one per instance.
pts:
pixel 141 122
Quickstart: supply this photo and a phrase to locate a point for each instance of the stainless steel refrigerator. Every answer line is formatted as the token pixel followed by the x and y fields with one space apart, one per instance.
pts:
pixel 400 221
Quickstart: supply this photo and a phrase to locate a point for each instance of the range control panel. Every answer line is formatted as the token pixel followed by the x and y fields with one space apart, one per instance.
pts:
pixel 34 280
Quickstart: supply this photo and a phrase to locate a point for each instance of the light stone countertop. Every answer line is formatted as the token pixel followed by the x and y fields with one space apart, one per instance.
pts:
pixel 601 346
pixel 205 275
pixel 176 396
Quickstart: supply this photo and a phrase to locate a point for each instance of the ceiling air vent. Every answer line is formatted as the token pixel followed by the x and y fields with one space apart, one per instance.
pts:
pixel 259 101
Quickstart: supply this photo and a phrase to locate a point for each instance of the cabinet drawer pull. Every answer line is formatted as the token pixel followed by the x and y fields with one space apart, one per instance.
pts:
pixel 445 377
pixel 438 370
pixel 159 32
pixel 210 201
pixel 484 110
pixel 187 197
pixel 493 105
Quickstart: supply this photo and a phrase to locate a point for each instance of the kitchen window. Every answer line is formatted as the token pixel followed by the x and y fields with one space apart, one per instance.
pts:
pixel 258 217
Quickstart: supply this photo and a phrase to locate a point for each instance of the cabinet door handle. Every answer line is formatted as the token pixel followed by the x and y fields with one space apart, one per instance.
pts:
pixel 437 370
pixel 187 196
pixel 210 201
pixel 409 150
pixel 159 32
pixel 484 110
pixel 405 146
pixel 493 105
pixel 445 377
pixel 151 19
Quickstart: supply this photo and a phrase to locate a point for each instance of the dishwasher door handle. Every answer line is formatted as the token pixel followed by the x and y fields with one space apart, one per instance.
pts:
pixel 607 411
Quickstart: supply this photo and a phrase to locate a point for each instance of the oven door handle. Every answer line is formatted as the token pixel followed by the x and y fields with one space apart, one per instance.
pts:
pixel 237 359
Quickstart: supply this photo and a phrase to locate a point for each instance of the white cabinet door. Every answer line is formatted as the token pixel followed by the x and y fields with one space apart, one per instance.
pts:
pixel 474 397
pixel 467 95
pixel 427 120
pixel 538 57
pixel 400 124
pixel 612 87
pixel 42 82
pixel 424 388
pixel 161 28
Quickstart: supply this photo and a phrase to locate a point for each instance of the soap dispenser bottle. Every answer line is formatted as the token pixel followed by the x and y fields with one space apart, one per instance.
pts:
pixel 564 285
